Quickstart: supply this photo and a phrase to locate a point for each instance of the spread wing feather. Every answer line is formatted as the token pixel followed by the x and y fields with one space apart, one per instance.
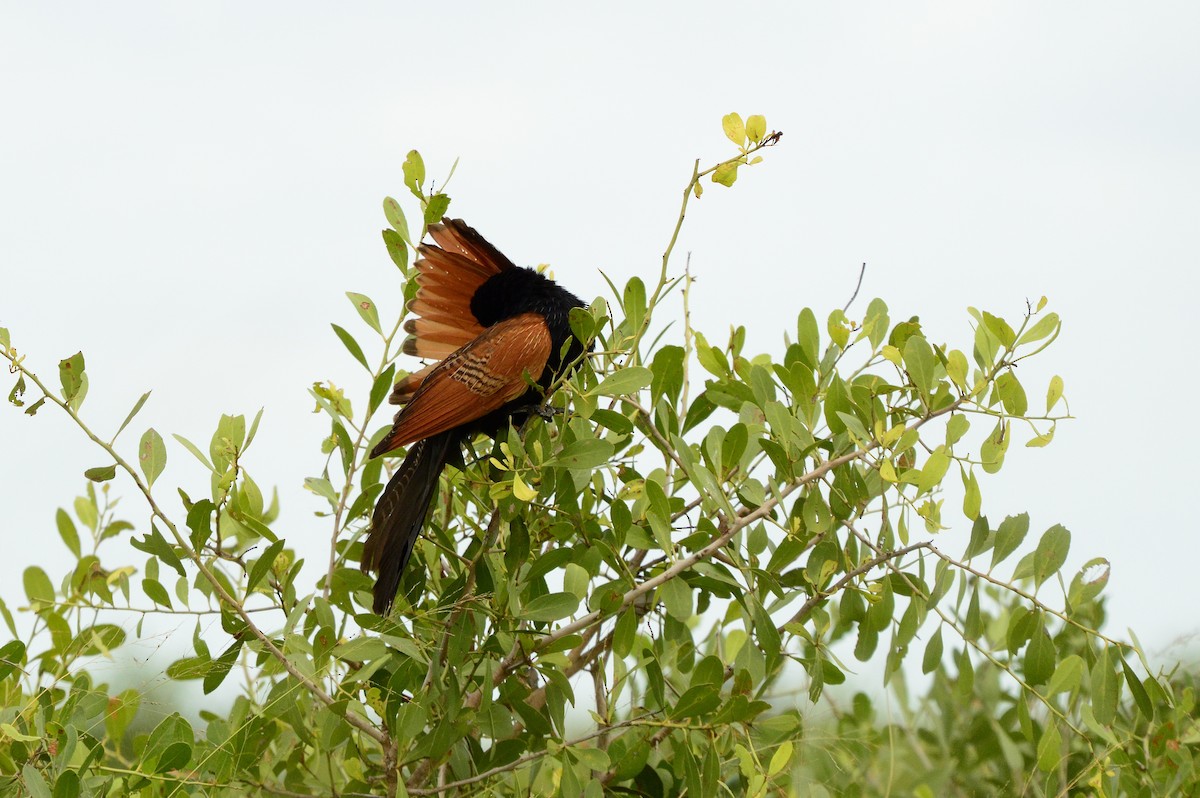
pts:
pixel 474 380
pixel 449 272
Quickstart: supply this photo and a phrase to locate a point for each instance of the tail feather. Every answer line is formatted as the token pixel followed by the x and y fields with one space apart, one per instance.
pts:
pixel 400 514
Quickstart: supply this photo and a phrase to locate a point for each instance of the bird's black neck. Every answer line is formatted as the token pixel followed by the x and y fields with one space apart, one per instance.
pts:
pixel 516 291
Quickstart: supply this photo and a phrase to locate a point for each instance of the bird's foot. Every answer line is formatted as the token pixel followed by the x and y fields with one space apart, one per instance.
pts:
pixel 546 412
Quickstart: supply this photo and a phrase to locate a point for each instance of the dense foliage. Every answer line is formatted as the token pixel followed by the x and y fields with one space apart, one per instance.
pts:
pixel 624 595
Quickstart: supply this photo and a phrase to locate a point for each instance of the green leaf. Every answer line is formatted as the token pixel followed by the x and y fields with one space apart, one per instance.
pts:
pixel 1106 688
pixel 174 757
pixel 101 473
pixel 1045 326
pixel 634 304
pixel 382 387
pixel 956 427
pixel 38 587
pixel 396 248
pixel 414 173
pixel 263 564
pixel 1009 536
pixel 756 127
pixel 137 407
pixel 699 700
pixel 676 596
pixel 67 531
pixel 34 782
pixel 1137 690
pixel 67 785
pixel 5 341
pixel 1000 328
pixel 152 455
pixel 348 340
pixel 934 469
pixel 735 129
pixel 972 497
pixel 395 217
pixel 1089 582
pixel 956 367
pixel 436 208
pixel 584 453
pixel 70 374
pixel 366 309
pixel 156 545
pixel 1067 676
pixel 221 666
pixel 194 449
pixel 1049 749
pixel 99 639
pixel 1011 394
pixel 933 653
pixel 1040 656
pixel 12 658
pixel 551 607
pixel 1051 552
pixel 919 362
pixel 624 382
pixel 157 593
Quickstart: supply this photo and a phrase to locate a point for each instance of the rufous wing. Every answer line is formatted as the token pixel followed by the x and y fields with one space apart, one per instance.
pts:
pixel 474 380
pixel 449 272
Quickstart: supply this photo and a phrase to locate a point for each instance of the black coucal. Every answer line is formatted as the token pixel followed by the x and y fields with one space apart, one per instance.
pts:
pixel 488 323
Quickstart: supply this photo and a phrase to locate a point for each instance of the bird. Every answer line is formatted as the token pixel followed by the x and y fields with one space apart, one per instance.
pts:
pixel 500 338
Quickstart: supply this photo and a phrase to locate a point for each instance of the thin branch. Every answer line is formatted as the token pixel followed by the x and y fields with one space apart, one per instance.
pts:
pixel 850 576
pixel 516 763
pixel 854 296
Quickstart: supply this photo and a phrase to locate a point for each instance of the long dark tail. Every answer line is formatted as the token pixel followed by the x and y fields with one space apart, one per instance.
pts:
pixel 400 514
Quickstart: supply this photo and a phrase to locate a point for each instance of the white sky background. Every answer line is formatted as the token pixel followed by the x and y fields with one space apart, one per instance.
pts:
pixel 187 191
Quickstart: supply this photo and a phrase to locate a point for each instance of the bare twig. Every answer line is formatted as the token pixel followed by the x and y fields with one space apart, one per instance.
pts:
pixel 854 296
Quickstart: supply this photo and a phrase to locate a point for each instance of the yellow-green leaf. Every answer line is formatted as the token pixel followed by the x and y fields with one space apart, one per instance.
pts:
pixel 734 128
pixel 522 491
pixel 756 127
pixel 1054 392
pixel 956 367
pixel 725 174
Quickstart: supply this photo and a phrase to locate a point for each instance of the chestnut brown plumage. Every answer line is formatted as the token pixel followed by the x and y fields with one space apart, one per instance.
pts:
pixel 488 324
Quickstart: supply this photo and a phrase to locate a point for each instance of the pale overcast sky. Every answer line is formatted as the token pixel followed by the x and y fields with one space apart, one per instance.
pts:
pixel 186 191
